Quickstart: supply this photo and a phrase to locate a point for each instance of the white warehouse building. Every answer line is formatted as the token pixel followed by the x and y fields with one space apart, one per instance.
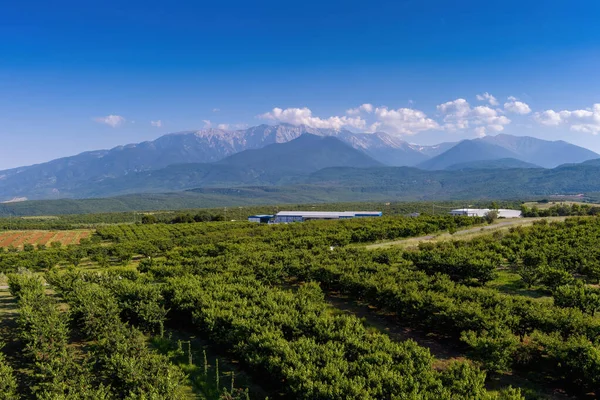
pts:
pixel 481 212
pixel 301 216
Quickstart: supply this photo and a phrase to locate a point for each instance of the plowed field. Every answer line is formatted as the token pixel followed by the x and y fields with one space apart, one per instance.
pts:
pixel 19 238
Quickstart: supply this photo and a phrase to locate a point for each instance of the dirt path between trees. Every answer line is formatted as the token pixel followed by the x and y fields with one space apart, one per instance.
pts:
pixel 462 234
pixel 442 349
pixel 386 322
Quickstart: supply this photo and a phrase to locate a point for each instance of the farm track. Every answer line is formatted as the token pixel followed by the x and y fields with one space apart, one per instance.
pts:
pixel 463 234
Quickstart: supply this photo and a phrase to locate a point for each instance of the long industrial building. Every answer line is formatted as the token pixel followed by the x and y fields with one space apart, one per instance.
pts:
pixel 481 212
pixel 284 217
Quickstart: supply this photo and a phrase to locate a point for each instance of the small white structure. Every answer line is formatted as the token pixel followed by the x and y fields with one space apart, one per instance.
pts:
pixel 481 212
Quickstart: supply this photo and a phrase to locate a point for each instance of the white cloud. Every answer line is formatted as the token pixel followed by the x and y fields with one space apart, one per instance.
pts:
pixel 303 116
pixel 517 107
pixel 459 115
pixel 216 110
pixel 374 127
pixel 587 120
pixel 207 123
pixel 110 120
pixel 456 114
pixel 498 126
pixel 157 123
pixel 480 131
pixel 488 97
pixel 368 108
pixel 403 121
pixel 458 107
pixel 484 112
pixel 549 117
pixel 232 126
pixel 489 118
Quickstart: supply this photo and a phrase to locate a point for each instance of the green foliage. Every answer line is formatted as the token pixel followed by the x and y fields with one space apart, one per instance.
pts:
pixel 578 296
pixel 530 274
pixel 464 380
pixel 25 282
pixel 561 210
pixel 554 277
pixel 425 287
pixel 44 330
pixel 122 353
pixel 456 261
pixel 292 338
pixel 258 293
pixel 491 216
pixel 495 348
pixel 8 383
pixel 149 219
pixel 576 361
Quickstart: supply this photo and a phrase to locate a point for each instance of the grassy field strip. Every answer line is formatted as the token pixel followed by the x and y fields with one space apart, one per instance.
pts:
pixel 464 234
pixel 550 204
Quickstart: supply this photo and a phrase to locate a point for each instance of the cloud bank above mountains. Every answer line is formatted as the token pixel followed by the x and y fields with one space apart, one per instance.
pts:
pixel 487 115
pixel 456 115
pixel 587 120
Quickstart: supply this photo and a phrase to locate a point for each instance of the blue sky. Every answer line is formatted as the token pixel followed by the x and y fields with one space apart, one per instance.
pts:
pixel 78 76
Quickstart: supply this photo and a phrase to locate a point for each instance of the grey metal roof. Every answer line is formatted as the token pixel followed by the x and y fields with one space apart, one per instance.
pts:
pixel 326 214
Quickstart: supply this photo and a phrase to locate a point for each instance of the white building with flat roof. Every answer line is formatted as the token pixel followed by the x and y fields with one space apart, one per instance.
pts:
pixel 301 216
pixel 481 212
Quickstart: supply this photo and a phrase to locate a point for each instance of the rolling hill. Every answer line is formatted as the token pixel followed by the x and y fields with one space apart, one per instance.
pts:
pixel 467 151
pixel 500 163
pixel 412 183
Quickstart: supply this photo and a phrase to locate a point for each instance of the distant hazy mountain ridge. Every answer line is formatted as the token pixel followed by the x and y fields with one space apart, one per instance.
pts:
pixel 539 152
pixel 467 151
pixel 544 153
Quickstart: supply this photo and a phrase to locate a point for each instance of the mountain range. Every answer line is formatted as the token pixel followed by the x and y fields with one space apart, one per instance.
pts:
pixel 347 184
pixel 276 155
